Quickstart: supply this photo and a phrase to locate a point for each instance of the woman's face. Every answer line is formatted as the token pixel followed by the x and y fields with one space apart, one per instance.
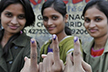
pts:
pixel 53 21
pixel 96 22
pixel 13 18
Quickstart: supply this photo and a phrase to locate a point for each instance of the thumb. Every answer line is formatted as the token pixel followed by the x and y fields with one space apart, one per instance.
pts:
pixel 26 58
pixel 43 55
pixel 86 66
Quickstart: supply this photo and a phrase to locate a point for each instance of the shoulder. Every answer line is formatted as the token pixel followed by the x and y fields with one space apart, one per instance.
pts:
pixel 87 46
pixel 22 40
pixel 67 44
pixel 47 42
pixel 25 36
pixel 67 39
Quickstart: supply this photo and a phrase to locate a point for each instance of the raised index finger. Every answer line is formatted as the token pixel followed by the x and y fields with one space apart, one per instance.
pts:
pixel 55 49
pixel 77 53
pixel 33 54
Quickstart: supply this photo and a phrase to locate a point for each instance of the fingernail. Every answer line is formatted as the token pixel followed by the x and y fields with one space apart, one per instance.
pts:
pixel 32 41
pixel 54 37
pixel 75 39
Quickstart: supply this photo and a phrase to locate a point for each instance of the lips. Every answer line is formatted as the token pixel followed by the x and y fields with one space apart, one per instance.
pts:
pixel 92 30
pixel 13 27
pixel 50 28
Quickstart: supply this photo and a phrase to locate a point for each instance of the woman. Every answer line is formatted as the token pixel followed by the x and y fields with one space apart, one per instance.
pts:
pixel 96 23
pixel 54 19
pixel 15 15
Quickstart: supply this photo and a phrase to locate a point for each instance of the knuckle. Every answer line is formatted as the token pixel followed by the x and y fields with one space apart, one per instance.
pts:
pixel 58 68
pixel 76 53
pixel 33 56
pixel 56 49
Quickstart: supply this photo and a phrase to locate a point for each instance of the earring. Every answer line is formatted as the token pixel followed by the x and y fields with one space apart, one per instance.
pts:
pixel 20 32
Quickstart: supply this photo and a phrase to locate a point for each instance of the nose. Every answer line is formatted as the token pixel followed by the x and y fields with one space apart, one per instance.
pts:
pixel 92 24
pixel 14 20
pixel 50 22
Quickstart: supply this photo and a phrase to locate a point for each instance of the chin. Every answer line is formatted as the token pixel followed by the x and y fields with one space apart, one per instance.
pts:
pixel 14 32
pixel 52 32
pixel 94 36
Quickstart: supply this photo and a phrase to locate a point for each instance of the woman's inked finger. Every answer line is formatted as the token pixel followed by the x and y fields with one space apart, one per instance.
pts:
pixel 77 53
pixel 33 54
pixel 57 62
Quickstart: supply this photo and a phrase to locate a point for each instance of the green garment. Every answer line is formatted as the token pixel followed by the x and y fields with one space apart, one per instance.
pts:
pixel 15 59
pixel 98 64
pixel 66 45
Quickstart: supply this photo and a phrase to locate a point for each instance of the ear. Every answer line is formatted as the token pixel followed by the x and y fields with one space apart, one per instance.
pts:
pixel 66 18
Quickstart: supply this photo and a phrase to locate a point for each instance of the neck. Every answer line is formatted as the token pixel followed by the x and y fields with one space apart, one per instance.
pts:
pixel 61 36
pixel 100 42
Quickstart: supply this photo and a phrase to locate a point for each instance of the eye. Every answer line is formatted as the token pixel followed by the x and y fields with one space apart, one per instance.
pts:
pixel 22 16
pixel 45 18
pixel 54 17
pixel 87 20
pixel 8 14
pixel 98 19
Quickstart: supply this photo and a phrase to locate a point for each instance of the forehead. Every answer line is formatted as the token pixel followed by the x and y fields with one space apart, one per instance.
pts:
pixel 93 11
pixel 50 11
pixel 14 8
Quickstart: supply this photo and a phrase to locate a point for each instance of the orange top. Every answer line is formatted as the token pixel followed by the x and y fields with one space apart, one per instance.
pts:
pixel 96 53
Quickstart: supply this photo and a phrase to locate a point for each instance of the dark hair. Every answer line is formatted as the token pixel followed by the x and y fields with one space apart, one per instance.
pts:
pixel 29 14
pixel 68 30
pixel 101 5
pixel 60 7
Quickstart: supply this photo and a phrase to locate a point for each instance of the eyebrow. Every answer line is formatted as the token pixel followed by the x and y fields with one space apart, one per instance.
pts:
pixel 11 12
pixel 94 16
pixel 7 11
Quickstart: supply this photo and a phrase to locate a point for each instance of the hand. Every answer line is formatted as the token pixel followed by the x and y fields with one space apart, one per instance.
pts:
pixel 52 62
pixel 31 64
pixel 75 63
